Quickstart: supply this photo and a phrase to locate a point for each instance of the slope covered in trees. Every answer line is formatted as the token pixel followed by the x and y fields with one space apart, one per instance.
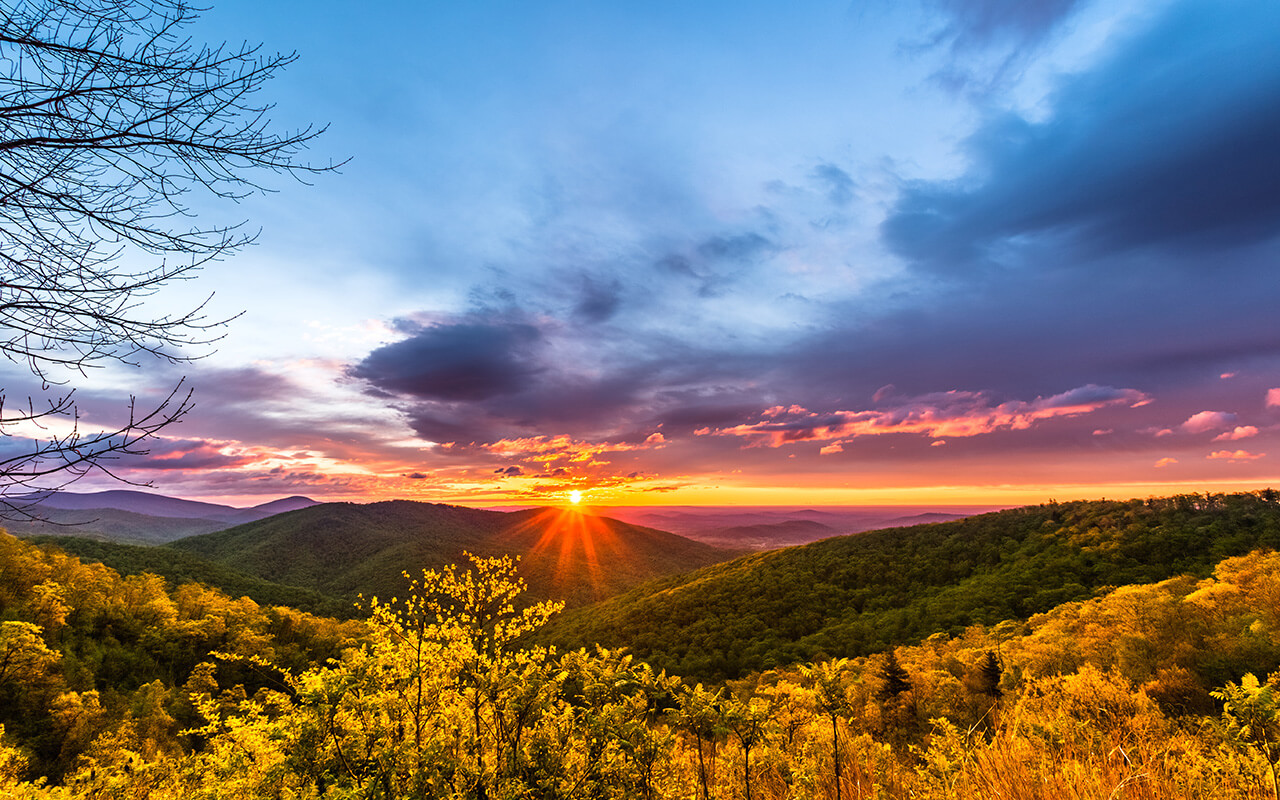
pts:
pixel 178 567
pixel 345 549
pixel 83 648
pixel 854 595
pixel 440 696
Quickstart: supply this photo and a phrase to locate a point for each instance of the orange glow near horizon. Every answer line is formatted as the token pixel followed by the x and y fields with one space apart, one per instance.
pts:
pixel 1004 495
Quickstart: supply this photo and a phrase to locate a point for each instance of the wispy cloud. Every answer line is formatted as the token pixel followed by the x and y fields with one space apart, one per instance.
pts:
pixel 943 414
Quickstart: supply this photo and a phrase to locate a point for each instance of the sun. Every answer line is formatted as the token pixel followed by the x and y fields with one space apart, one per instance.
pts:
pixel 575 497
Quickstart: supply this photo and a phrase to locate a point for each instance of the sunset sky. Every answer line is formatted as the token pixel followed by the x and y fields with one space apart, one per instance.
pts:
pixel 948 251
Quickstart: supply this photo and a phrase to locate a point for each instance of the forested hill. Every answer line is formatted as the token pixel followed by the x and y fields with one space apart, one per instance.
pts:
pixel 345 549
pixel 854 595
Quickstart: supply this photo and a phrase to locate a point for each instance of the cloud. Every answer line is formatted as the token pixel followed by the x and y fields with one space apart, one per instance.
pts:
pixel 977 23
pixel 1165 462
pixel 1088 176
pixel 600 300
pixel 466 361
pixel 187 454
pixel 1273 398
pixel 1235 456
pixel 838 184
pixel 1240 432
pixel 1208 421
pixel 943 414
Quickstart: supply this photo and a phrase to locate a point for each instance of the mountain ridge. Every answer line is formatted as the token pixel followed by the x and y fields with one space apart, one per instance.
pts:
pixel 345 549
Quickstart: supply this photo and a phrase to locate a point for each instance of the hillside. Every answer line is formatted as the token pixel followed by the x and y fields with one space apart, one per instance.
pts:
pixel 111 524
pixel 855 595
pixel 105 679
pixel 179 567
pixel 345 549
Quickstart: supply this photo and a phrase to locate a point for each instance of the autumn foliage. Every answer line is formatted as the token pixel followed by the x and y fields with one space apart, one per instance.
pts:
pixel 127 687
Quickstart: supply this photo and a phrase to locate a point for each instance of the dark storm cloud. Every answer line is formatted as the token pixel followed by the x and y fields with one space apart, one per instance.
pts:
pixel 614 386
pixel 469 361
pixel 1169 145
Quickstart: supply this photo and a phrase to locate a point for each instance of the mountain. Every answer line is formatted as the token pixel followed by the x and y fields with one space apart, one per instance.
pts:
pixel 854 595
pixel 158 505
pixel 723 525
pixel 767 535
pixel 345 549
pixel 135 517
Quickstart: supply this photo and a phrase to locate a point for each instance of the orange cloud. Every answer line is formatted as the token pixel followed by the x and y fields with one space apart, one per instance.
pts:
pixel 1238 455
pixel 944 414
pixel 1164 462
pixel 1241 432
pixel 561 448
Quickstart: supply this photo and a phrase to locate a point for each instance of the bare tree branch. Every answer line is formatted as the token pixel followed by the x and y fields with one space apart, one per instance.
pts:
pixel 111 120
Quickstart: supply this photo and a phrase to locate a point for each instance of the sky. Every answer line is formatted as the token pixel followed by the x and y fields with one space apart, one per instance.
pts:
pixel 803 253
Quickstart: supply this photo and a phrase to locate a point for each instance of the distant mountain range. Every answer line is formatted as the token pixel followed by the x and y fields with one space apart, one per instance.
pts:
pixel 135 517
pixel 768 528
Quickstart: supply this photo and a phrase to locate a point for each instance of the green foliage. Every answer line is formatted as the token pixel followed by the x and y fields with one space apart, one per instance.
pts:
pixel 179 567
pixel 859 594
pixel 344 550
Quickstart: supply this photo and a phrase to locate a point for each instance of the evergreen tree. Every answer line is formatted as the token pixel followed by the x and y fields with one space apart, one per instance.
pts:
pixel 896 680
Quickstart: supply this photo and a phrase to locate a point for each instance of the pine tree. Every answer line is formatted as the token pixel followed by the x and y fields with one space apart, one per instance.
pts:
pixel 896 680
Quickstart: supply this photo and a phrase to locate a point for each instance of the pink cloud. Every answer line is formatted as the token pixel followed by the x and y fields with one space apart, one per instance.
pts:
pixel 1238 455
pixel 937 415
pixel 1164 462
pixel 1224 376
pixel 1241 432
pixel 1208 421
pixel 1273 397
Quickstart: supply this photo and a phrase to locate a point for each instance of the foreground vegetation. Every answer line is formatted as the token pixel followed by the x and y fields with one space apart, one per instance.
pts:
pixel 126 687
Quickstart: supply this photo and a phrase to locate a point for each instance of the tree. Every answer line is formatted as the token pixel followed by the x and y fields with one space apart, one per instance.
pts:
pixel 831 681
pixel 895 678
pixel 111 122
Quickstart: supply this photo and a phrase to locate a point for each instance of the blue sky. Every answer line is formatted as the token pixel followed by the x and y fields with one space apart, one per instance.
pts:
pixel 808 252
